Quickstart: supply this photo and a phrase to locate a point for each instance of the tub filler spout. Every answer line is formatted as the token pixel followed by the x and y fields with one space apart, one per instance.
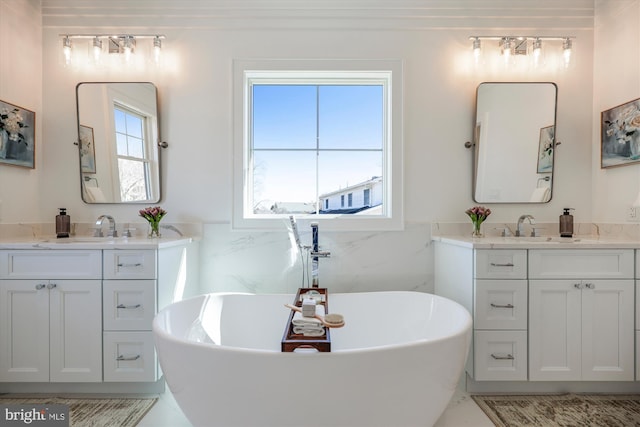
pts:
pixel 316 254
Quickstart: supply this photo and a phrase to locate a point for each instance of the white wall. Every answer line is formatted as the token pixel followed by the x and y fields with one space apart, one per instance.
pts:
pixel 203 37
pixel 616 81
pixel 21 85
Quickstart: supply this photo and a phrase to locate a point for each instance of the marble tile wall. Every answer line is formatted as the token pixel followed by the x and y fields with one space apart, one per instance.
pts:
pixel 267 262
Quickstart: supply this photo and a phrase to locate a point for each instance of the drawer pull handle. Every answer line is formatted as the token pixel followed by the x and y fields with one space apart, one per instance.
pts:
pixel 507 357
pixel 129 307
pixel 508 264
pixel 501 306
pixel 40 286
pixel 124 358
pixel 137 264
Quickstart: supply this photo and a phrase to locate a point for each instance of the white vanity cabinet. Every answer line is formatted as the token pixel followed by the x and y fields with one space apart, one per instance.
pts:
pixel 492 285
pixel 50 308
pixel 500 315
pixel 581 315
pixel 129 305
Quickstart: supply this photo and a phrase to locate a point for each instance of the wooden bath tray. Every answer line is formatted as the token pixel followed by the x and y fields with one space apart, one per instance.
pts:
pixel 291 341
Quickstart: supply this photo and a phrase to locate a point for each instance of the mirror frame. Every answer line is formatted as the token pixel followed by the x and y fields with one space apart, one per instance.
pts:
pixel 549 176
pixel 154 145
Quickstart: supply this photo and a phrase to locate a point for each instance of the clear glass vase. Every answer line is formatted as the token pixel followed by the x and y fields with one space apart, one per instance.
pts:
pixel 154 230
pixel 477 230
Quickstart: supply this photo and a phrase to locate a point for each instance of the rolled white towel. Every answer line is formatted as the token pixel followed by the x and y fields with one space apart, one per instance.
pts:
pixel 540 194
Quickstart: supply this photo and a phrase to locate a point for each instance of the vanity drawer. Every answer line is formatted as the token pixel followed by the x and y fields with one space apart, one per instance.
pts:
pixel 128 304
pixel 500 304
pixel 500 355
pixel 581 263
pixel 130 264
pixel 50 264
pixel 501 264
pixel 129 357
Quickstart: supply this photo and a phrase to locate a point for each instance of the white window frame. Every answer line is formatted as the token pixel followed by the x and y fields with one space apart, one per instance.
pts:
pixel 389 71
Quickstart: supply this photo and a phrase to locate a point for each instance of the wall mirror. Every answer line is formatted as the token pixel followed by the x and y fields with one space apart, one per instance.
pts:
pixel 118 142
pixel 514 142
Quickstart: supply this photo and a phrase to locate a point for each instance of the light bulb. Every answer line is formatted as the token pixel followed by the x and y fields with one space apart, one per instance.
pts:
pixel 97 49
pixel 157 49
pixel 566 51
pixel 537 53
pixel 127 49
pixel 506 50
pixel 477 50
pixel 66 50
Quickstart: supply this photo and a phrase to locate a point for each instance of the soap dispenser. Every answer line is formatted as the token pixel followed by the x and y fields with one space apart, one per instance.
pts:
pixel 63 223
pixel 566 223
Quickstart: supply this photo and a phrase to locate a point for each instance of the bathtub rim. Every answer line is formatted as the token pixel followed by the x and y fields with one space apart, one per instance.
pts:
pixel 464 329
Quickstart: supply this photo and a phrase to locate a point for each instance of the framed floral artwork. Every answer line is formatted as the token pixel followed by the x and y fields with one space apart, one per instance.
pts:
pixel 87 150
pixel 545 149
pixel 17 135
pixel 620 135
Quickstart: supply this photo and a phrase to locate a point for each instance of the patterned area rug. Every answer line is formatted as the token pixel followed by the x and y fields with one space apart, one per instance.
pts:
pixel 575 410
pixel 93 412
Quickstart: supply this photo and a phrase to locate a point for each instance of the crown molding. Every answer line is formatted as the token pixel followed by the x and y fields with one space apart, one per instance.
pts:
pixel 320 14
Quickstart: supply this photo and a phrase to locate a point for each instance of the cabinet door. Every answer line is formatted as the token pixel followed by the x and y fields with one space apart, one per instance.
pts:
pixel 24 331
pixel 76 330
pixel 607 330
pixel 554 330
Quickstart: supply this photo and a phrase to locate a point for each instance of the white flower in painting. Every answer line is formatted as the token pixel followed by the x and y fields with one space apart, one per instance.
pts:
pixel 12 122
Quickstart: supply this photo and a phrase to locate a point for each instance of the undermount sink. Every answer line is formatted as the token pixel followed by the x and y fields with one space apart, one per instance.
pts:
pixel 552 239
pixel 81 239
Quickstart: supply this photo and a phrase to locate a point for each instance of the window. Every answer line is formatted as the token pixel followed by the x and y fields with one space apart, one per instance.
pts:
pixel 311 137
pixel 367 197
pixel 133 163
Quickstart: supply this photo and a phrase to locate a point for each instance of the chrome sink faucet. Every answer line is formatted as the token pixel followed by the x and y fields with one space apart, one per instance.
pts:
pixel 520 225
pixel 112 226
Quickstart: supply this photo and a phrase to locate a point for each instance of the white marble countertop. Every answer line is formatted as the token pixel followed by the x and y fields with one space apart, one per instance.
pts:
pixel 88 242
pixel 543 242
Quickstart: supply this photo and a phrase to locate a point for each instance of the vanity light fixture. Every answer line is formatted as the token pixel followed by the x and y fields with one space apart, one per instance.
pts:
pixel 530 47
pixel 120 44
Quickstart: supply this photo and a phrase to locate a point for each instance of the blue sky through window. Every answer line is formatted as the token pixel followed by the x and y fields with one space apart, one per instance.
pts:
pixel 308 140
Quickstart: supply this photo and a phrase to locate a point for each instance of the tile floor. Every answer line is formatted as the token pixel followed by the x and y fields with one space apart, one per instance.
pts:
pixel 461 412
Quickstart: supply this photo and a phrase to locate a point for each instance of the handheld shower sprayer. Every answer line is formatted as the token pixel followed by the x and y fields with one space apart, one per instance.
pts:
pixel 294 228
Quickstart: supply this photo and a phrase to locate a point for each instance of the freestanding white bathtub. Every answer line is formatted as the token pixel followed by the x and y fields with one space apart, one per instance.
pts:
pixel 396 362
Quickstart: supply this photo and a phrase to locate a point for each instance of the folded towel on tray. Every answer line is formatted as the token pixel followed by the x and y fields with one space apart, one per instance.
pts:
pixel 308 326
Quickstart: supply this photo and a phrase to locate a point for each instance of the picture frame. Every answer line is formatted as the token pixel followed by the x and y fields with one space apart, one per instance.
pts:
pixel 87 150
pixel 620 135
pixel 546 149
pixel 17 135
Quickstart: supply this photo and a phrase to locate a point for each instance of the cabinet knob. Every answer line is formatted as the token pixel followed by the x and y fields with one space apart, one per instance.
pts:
pixel 51 286
pixel 577 285
pixel 590 285
pixel 40 286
